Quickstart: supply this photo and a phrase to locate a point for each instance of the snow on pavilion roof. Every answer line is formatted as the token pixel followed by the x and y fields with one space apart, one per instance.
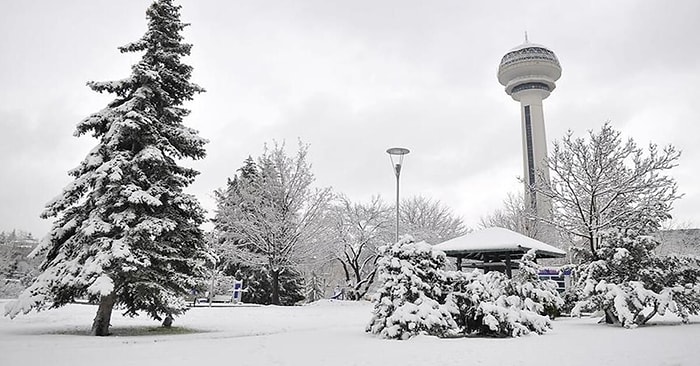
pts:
pixel 497 239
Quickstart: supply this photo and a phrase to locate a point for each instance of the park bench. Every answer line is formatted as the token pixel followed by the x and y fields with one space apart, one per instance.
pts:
pixel 222 298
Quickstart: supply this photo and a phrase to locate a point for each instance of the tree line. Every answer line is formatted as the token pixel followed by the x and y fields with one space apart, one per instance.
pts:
pixel 273 227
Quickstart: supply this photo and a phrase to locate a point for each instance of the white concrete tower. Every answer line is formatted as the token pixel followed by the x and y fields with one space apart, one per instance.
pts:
pixel 529 73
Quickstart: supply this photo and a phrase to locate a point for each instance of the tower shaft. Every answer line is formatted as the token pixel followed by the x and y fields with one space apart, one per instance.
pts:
pixel 534 150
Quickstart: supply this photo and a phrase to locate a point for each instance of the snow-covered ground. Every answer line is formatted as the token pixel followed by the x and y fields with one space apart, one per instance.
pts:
pixel 325 333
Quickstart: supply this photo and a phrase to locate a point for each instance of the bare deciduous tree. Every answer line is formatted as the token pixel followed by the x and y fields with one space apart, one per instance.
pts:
pixel 429 220
pixel 358 229
pixel 601 182
pixel 515 216
pixel 512 216
pixel 275 219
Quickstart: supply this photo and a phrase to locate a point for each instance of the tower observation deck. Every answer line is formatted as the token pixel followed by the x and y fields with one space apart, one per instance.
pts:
pixel 529 73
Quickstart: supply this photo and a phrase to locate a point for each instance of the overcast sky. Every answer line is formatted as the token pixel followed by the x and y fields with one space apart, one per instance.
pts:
pixel 353 78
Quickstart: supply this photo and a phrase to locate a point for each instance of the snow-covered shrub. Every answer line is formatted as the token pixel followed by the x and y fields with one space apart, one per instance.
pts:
pixel 491 304
pixel 632 284
pixel 499 313
pixel 411 296
pixel 571 297
pixel 418 295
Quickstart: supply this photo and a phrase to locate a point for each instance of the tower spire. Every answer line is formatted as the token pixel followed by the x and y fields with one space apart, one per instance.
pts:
pixel 526 40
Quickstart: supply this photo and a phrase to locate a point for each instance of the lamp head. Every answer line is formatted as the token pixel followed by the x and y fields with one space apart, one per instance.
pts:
pixel 396 155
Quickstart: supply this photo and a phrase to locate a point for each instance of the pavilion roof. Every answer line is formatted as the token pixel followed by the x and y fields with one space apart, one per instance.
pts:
pixel 496 242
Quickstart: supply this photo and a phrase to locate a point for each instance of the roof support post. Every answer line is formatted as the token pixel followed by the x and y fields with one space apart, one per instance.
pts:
pixel 509 273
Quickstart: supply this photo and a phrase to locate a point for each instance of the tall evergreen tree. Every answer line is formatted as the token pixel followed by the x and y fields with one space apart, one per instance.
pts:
pixel 125 233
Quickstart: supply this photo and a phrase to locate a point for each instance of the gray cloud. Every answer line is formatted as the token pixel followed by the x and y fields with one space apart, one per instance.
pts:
pixel 352 79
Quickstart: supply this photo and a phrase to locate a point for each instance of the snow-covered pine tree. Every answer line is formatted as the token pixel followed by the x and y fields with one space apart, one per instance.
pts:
pixel 411 295
pixel 125 233
pixel 539 296
pixel 632 284
pixel 258 286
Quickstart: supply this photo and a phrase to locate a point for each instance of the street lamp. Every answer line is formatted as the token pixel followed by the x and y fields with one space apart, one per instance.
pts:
pixel 396 155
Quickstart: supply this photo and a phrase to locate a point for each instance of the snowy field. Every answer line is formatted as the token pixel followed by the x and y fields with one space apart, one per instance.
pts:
pixel 324 333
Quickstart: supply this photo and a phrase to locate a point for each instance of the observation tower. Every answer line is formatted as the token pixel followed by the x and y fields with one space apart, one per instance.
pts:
pixel 529 73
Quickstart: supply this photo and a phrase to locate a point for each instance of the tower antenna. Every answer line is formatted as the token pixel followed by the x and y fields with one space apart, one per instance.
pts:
pixel 526 40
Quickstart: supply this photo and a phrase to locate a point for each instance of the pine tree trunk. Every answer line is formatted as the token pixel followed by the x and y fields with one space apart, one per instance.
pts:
pixel 275 282
pixel 100 326
pixel 168 321
pixel 644 319
pixel 610 317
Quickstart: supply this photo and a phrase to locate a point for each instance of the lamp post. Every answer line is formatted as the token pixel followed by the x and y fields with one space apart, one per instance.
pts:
pixel 396 155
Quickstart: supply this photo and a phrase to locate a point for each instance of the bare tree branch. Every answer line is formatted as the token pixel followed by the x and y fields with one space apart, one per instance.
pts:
pixel 601 183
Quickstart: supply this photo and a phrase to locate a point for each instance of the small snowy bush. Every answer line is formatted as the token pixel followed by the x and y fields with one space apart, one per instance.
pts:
pixel 409 300
pixel 491 304
pixel 544 294
pixel 632 284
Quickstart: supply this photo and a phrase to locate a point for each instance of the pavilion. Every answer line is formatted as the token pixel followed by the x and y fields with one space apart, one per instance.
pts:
pixel 495 248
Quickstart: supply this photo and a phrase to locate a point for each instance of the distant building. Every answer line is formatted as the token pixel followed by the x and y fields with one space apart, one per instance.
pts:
pixel 14 263
pixel 680 241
